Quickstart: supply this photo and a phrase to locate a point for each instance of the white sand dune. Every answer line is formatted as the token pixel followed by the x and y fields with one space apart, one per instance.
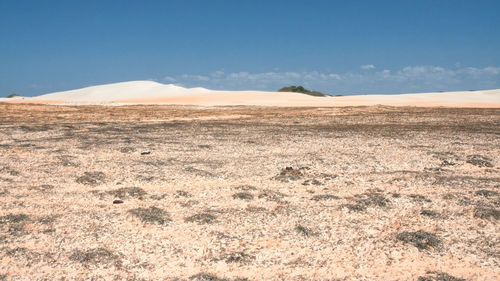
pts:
pixel 149 92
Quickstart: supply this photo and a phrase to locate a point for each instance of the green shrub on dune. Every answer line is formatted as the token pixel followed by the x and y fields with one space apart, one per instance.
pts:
pixel 300 89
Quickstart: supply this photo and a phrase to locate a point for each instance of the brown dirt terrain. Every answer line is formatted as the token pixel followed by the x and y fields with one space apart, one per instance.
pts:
pixel 249 193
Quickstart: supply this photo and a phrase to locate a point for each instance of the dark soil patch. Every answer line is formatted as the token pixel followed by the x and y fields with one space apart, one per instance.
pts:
pixel 151 215
pixel 420 239
pixel 479 161
pixel 439 276
pixel 486 213
pixel 202 218
pixel 91 178
pixel 289 174
pixel 98 257
pixel 128 192
pixel 486 193
pixel 324 197
pixel 243 196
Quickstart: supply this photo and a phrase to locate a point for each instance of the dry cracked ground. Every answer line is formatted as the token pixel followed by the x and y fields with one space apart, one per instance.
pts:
pixel 249 193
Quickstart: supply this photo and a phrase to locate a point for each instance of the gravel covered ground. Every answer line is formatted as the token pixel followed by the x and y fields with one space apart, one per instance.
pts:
pixel 249 193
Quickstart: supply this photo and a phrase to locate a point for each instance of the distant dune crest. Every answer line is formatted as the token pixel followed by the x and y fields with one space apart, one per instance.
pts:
pixel 150 92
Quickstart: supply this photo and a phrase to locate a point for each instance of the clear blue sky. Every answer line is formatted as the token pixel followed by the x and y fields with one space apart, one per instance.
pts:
pixel 334 46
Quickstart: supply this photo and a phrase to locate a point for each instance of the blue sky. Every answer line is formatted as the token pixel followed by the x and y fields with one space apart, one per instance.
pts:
pixel 339 47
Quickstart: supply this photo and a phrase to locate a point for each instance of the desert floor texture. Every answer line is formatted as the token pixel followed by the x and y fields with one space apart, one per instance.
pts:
pixel 249 193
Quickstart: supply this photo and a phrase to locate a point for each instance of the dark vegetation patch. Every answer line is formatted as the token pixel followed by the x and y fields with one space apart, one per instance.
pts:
pixel 199 172
pixel 419 198
pixel 238 257
pixel 439 276
pixel 202 218
pixel 324 197
pixel 128 192
pixel 271 195
pixel 97 257
pixel 43 187
pixel 67 160
pixel 245 187
pixel 210 277
pixel 151 215
pixel 189 203
pixel 243 196
pixel 302 90
pixel 312 182
pixel 368 199
pixel 47 219
pixel 420 239
pixel 429 213
pixel 289 174
pixel 354 207
pixel 446 163
pixel 158 197
pixel 14 223
pixel 486 193
pixel 396 195
pixel 9 171
pixel 128 149
pixel 26 254
pixel 11 218
pixel 466 181
pixel 91 178
pixel 306 231
pixel 479 161
pixel 254 209
pixel 486 213
pixel 182 193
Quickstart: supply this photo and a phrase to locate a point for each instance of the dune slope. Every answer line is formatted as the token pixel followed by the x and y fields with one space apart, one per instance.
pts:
pixel 149 92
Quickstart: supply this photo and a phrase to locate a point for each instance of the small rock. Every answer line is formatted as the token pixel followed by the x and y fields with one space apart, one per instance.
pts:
pixel 118 201
pixel 145 152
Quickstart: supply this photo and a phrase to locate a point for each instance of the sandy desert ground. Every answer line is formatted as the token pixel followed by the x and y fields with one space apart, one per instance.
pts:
pixel 249 193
